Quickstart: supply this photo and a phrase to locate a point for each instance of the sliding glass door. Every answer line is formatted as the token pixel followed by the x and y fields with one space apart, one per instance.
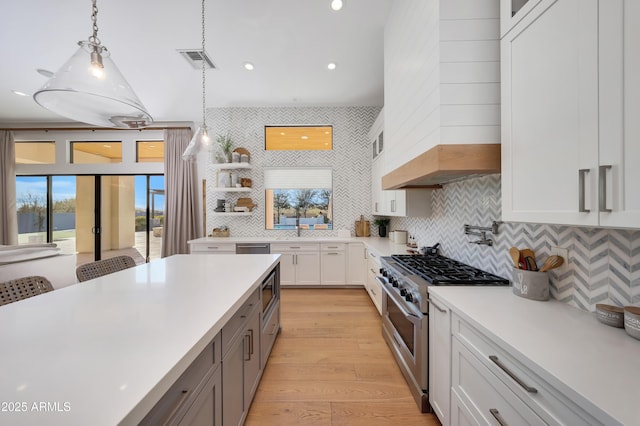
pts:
pixel 95 217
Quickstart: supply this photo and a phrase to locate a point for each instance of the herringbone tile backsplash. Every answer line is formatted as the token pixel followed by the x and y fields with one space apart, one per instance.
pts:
pixel 350 161
pixel 604 264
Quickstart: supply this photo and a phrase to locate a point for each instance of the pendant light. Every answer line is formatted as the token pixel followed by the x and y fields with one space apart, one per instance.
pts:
pixel 90 88
pixel 201 136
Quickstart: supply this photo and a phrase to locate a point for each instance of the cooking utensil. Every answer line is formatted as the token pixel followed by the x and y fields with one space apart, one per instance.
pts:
pixel 430 250
pixel 552 262
pixel 528 253
pixel 530 263
pixel 515 256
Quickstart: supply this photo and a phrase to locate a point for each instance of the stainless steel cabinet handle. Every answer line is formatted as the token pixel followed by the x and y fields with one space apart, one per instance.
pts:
pixel 213 248
pixel 261 246
pixel 496 415
pixel 294 247
pixel 393 205
pixel 246 347
pixel 332 247
pixel 376 206
pixel 602 189
pixel 497 362
pixel 251 342
pixel 444 311
pixel 333 253
pixel 365 254
pixel 582 190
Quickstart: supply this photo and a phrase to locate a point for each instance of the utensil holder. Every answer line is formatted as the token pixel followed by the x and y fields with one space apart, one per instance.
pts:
pixel 532 285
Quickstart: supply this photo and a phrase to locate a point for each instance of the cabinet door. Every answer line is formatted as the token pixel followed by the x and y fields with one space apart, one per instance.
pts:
pixel 549 63
pixel 207 408
pixel 377 194
pixel 252 365
pixel 233 384
pixel 287 269
pixel 439 359
pixel 307 269
pixel 620 113
pixel 356 264
pixel 333 268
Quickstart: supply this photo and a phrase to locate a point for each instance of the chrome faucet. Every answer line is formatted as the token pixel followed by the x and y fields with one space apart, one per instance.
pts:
pixel 298 225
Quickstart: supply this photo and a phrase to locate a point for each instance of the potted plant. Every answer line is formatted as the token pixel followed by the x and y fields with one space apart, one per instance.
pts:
pixel 382 226
pixel 225 143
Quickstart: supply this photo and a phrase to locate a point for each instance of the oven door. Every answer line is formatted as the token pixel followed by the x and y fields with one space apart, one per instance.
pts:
pixel 407 334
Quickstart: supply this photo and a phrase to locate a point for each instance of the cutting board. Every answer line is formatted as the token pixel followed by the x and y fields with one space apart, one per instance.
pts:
pixel 363 228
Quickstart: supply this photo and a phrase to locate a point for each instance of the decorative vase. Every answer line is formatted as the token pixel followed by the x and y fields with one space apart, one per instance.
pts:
pixel 382 231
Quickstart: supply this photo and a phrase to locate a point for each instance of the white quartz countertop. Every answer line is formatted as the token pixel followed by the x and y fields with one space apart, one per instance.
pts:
pixel 383 246
pixel 595 365
pixel 105 351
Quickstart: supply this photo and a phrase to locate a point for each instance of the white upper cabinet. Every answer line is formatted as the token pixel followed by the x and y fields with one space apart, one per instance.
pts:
pixel 619 165
pixel 570 85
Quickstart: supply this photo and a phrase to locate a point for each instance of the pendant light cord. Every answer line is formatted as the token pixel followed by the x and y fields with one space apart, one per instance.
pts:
pixel 94 18
pixel 204 122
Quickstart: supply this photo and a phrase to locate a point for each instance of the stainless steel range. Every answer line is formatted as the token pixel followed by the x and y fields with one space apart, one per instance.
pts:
pixel 405 309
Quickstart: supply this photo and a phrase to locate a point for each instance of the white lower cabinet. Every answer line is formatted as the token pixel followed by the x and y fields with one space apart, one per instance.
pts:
pixel 211 247
pixel 299 263
pixel 487 398
pixel 439 358
pixel 493 384
pixel 333 264
pixel 356 264
pixel 372 285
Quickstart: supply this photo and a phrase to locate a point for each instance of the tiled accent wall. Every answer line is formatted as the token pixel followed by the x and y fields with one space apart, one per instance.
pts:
pixel 604 264
pixel 350 160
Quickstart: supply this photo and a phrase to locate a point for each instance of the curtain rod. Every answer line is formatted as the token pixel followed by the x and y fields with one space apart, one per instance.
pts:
pixel 92 129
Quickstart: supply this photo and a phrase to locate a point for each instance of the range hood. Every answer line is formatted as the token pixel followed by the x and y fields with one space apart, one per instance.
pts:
pixel 443 164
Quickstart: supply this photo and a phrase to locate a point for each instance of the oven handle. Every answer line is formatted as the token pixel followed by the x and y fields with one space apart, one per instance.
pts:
pixel 409 316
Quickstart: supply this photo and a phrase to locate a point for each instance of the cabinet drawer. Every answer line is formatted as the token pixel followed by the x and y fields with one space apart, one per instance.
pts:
pixel 213 248
pixel 488 399
pixel 332 246
pixel 548 402
pixel 176 401
pixel 293 247
pixel 234 326
pixel 270 328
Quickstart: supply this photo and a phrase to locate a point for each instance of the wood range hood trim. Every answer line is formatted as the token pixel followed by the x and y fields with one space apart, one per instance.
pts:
pixel 444 163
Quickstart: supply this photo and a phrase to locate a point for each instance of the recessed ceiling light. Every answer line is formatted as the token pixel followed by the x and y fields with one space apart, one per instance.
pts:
pixel 19 93
pixel 45 73
pixel 336 4
pixel 106 146
pixel 331 66
pixel 304 137
pixel 248 66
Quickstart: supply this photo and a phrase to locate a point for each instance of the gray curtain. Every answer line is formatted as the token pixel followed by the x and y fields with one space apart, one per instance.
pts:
pixel 8 213
pixel 181 199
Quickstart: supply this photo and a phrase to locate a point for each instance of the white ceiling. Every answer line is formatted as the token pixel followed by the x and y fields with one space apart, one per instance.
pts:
pixel 289 41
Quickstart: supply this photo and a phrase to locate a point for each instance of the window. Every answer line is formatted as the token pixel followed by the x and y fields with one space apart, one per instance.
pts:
pixel 96 152
pixel 298 138
pixel 299 197
pixel 35 152
pixel 150 151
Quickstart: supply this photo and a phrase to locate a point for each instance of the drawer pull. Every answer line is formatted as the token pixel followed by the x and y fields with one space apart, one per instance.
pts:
pixel 444 311
pixel 274 329
pixel 496 415
pixel 179 404
pixel 513 376
pixel 294 247
pixel 213 248
pixel 246 347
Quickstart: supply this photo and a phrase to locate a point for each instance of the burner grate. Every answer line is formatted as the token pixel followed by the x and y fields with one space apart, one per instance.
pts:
pixel 440 270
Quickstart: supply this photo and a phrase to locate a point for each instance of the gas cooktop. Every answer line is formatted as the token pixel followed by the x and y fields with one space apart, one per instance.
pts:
pixel 440 270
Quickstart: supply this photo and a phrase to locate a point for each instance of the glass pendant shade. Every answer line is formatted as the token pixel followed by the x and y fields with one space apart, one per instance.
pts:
pixel 200 139
pixel 84 91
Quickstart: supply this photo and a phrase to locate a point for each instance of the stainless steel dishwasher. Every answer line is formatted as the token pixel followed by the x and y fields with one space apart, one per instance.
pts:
pixel 253 248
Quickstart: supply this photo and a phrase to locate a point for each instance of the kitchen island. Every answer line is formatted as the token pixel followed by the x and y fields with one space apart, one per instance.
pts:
pixel 107 350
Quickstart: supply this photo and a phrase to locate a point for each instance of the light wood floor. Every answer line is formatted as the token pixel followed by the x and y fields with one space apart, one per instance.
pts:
pixel 331 366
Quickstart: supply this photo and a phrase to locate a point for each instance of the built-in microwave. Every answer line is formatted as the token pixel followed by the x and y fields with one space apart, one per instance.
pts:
pixel 270 290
